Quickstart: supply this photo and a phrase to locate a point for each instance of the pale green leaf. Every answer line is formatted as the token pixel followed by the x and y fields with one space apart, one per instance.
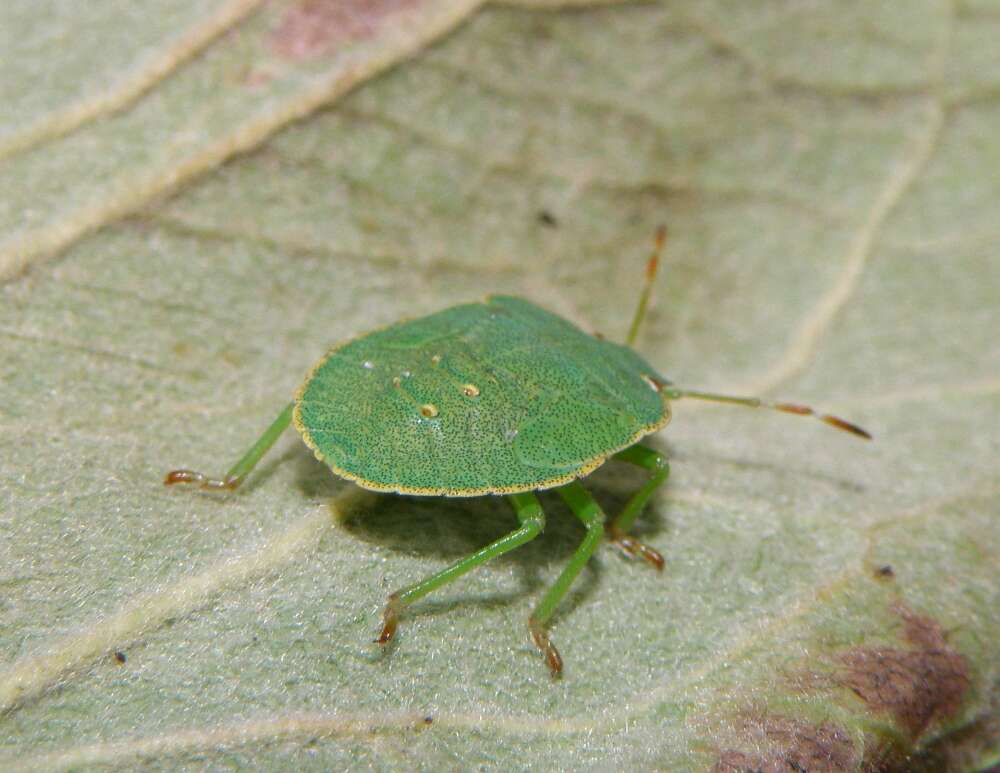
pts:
pixel 149 95
pixel 828 174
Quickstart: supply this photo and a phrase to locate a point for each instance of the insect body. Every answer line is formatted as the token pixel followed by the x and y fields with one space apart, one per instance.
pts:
pixel 493 398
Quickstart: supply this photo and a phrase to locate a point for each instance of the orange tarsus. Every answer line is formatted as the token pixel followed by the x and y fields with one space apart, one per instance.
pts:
pixel 633 548
pixel 388 631
pixel 390 620
pixel 652 557
pixel 190 476
pixel 541 640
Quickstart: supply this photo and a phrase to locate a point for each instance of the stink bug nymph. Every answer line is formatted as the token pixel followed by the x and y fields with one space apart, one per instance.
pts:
pixel 499 397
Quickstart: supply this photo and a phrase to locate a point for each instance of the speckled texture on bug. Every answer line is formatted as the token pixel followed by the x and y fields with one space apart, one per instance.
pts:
pixel 484 398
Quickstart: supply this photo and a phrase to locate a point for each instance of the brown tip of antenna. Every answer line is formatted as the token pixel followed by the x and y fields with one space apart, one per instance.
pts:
pixel 654 260
pixel 839 423
pixel 833 421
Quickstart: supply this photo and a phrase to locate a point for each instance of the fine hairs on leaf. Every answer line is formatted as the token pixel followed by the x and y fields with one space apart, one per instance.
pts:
pixel 193 211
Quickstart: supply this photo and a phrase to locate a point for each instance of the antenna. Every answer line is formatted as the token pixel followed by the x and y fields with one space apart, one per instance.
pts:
pixel 651 267
pixel 673 393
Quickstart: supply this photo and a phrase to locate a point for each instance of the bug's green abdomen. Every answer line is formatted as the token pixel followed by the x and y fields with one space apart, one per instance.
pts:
pixel 492 397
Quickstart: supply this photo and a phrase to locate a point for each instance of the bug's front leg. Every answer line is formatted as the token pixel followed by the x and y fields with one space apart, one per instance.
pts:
pixel 234 477
pixel 587 510
pixel 532 519
pixel 617 530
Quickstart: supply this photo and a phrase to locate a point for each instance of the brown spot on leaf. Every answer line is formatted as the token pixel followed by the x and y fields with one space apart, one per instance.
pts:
pixel 883 755
pixel 785 745
pixel 547 218
pixel 916 686
pixel 312 28
pixel 885 572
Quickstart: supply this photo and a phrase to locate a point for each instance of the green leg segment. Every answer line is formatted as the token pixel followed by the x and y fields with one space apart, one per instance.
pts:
pixel 242 468
pixel 532 519
pixel 653 461
pixel 587 510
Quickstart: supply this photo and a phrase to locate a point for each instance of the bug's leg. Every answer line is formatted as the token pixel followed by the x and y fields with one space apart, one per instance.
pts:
pixel 532 519
pixel 242 468
pixel 656 463
pixel 587 510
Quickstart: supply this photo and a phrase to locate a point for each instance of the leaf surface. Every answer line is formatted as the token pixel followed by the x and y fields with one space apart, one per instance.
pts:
pixel 827 173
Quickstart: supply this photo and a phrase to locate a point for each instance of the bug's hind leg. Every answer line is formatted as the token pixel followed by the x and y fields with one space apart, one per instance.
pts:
pixel 651 460
pixel 587 510
pixel 529 514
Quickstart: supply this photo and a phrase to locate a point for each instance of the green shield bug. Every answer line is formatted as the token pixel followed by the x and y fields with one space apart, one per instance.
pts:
pixel 494 398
